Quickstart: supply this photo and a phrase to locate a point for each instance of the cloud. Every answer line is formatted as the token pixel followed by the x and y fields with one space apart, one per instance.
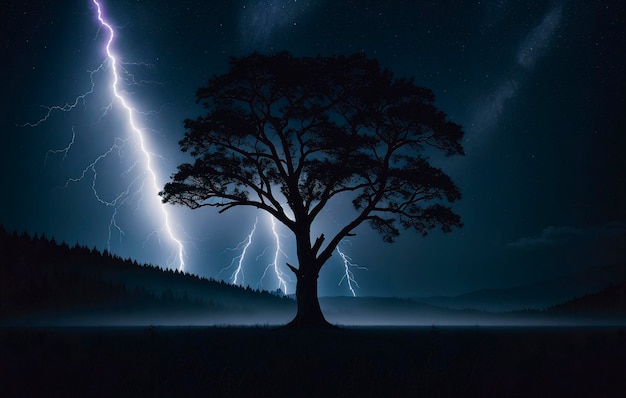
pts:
pixel 561 236
pixel 538 40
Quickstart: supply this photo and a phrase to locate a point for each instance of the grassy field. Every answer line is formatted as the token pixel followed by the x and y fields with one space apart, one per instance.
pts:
pixel 359 362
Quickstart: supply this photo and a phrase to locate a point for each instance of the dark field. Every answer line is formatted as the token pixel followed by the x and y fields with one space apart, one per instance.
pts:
pixel 264 362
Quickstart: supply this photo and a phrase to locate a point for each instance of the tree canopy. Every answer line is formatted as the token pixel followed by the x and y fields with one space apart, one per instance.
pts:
pixel 283 132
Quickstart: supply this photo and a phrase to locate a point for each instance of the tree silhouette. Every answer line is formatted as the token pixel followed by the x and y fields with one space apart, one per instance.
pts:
pixel 287 135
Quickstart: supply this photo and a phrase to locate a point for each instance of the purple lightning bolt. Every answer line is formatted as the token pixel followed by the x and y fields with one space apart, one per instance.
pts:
pixel 138 134
pixel 139 188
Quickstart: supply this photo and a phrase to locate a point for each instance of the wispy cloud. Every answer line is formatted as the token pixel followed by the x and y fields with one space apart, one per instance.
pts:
pixel 559 236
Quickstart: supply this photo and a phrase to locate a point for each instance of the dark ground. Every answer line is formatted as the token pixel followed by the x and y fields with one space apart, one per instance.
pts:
pixel 263 362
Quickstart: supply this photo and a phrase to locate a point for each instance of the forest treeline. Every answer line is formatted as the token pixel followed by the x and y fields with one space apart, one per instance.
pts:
pixel 608 302
pixel 39 276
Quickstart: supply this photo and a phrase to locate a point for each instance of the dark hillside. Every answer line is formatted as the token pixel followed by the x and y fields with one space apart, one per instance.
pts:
pixel 610 302
pixel 40 277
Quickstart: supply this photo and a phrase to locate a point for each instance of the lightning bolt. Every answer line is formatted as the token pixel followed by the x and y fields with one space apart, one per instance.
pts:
pixel 67 107
pixel 64 151
pixel 243 246
pixel 135 188
pixel 140 137
pixel 280 276
pixel 348 265
pixel 348 274
pixel 237 262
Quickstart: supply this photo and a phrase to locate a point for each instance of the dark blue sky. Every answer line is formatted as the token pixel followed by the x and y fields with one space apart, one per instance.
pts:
pixel 539 88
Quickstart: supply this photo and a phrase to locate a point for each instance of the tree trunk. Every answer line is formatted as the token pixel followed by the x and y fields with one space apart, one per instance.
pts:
pixel 309 313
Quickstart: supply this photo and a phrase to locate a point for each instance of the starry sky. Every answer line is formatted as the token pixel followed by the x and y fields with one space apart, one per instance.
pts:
pixel 539 87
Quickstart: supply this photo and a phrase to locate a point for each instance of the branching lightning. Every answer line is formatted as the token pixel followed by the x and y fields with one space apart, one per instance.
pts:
pixel 67 107
pixel 348 265
pixel 348 274
pixel 135 189
pixel 243 246
pixel 282 278
pixel 140 137
pixel 64 151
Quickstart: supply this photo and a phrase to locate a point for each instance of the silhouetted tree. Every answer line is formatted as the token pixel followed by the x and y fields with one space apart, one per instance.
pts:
pixel 286 132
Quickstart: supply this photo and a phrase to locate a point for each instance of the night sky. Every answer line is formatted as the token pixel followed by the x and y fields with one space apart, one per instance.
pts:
pixel 539 87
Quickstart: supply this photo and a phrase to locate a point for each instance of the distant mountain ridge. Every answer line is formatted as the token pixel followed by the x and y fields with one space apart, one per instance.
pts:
pixel 539 295
pixel 610 302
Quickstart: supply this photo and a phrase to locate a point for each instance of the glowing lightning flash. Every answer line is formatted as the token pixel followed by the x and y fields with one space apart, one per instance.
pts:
pixel 237 276
pixel 136 186
pixel 64 151
pixel 282 283
pixel 139 135
pixel 348 274
pixel 243 246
